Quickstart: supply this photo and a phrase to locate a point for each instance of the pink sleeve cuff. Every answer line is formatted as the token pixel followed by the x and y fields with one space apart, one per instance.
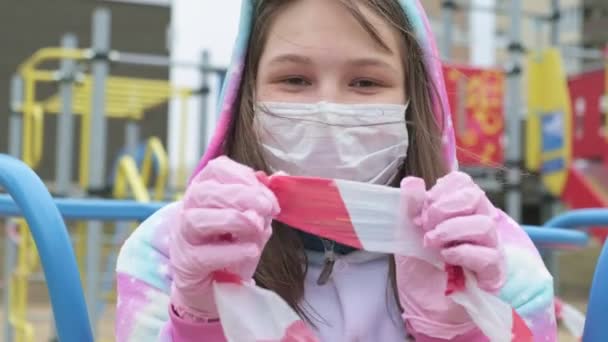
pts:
pixel 472 336
pixel 185 330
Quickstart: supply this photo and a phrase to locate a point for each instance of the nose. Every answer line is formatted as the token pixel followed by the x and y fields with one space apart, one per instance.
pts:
pixel 332 88
pixel 329 89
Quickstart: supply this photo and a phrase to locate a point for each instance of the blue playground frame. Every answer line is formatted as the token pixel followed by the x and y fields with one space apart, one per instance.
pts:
pixel 45 217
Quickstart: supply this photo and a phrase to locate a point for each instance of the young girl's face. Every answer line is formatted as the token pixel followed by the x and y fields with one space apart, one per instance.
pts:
pixel 317 51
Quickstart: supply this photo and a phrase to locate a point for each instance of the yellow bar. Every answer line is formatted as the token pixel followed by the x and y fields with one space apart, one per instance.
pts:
pixel 136 86
pixel 26 141
pixel 548 95
pixel 155 148
pixel 43 76
pixel 28 104
pixel 19 285
pixel 127 177
pixel 81 248
pixel 33 135
pixel 38 135
pixel 124 97
pixel 33 118
pixel 32 115
pixel 49 54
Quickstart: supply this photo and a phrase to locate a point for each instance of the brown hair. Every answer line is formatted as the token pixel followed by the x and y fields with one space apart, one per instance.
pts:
pixel 282 267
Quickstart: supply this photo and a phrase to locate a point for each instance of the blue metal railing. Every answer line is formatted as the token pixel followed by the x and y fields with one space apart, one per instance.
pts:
pixel 580 219
pixel 556 238
pixel 89 209
pixel 28 197
pixel 597 306
pixel 54 247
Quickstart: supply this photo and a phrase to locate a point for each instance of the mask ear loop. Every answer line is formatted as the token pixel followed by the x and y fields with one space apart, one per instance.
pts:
pixel 409 127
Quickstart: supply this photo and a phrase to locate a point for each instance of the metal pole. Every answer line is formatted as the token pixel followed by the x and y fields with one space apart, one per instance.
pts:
pixel 513 117
pixel 10 251
pixel 555 18
pixel 97 151
pixel 152 60
pixel 538 32
pixel 10 258
pixel 100 69
pixel 132 133
pixel 15 121
pixel 204 102
pixel 461 110
pixel 582 53
pixel 122 232
pixel 65 125
pixel 449 7
pixel 64 148
pixel 65 129
pixel 551 258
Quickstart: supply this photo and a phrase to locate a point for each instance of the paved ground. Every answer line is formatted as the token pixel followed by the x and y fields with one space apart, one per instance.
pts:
pixel 40 315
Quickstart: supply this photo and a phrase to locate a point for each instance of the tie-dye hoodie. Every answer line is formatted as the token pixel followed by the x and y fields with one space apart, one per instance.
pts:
pixel 144 280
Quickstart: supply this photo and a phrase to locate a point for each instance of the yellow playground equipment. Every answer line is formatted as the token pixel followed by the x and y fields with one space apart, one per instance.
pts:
pixel 126 98
pixel 548 131
pixel 18 284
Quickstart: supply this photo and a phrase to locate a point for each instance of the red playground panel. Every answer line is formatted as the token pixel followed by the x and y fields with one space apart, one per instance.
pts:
pixel 587 187
pixel 588 136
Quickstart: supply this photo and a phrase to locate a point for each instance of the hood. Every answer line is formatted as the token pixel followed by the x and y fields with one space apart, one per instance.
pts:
pixel 226 105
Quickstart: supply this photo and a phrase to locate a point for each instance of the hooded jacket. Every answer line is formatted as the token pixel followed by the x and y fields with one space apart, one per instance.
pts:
pixel 144 280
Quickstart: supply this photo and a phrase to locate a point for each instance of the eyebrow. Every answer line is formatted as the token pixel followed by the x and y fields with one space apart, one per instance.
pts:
pixel 291 58
pixel 363 62
pixel 357 62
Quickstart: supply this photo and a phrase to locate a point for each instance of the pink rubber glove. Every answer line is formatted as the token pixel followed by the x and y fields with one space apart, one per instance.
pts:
pixel 460 221
pixel 224 225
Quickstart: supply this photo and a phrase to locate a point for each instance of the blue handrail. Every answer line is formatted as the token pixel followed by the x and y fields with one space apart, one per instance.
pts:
pixel 54 247
pixel 556 237
pixel 91 209
pixel 581 218
pixel 597 308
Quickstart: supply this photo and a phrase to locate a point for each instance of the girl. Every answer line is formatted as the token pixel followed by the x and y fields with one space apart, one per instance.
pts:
pixel 347 89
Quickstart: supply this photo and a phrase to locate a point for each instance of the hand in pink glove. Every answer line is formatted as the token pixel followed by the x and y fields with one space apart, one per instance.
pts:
pixel 460 222
pixel 224 225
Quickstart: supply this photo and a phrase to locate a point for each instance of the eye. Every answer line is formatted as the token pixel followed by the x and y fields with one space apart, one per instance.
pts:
pixel 364 83
pixel 296 81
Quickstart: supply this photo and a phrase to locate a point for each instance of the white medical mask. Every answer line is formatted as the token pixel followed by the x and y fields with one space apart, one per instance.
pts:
pixel 360 142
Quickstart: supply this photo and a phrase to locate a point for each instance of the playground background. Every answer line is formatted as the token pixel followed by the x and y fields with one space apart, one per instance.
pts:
pixel 577 32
